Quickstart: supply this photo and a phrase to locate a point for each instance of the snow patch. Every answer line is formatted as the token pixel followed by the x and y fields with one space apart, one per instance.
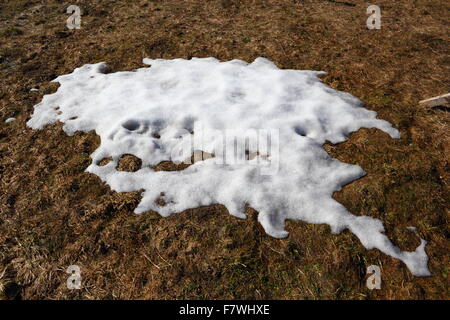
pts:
pixel 150 112
pixel 10 120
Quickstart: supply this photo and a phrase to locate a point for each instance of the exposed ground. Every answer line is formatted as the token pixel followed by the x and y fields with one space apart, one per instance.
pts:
pixel 53 215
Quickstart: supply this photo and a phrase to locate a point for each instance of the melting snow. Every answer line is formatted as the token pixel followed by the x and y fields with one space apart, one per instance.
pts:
pixel 10 120
pixel 187 104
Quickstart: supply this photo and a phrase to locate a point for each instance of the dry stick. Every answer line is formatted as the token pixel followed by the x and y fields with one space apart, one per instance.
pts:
pixel 163 258
pixel 437 101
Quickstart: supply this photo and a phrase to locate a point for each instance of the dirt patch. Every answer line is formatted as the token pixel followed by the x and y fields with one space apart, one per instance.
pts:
pixel 129 163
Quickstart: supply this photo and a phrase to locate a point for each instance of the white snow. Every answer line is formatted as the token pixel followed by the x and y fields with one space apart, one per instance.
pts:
pixel 10 120
pixel 150 112
pixel 33 89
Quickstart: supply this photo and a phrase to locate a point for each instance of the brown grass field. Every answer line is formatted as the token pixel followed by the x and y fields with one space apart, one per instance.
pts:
pixel 53 214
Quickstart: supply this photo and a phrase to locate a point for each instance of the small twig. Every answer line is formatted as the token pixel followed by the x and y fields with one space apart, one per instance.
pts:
pixel 145 256
pixel 163 258
pixel 3 273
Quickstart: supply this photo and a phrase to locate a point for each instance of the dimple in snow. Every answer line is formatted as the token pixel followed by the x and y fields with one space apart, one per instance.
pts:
pixel 150 112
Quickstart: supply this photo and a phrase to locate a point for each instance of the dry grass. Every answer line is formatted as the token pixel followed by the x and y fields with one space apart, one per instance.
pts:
pixel 53 215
